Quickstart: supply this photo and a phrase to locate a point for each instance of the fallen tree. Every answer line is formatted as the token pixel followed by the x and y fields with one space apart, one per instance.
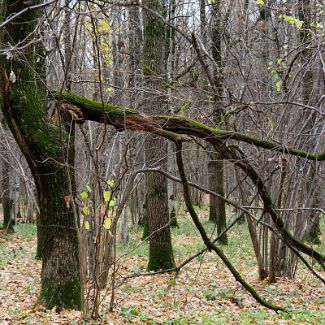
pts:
pixel 178 129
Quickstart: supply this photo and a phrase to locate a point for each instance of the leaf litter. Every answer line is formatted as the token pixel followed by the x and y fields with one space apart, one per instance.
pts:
pixel 204 292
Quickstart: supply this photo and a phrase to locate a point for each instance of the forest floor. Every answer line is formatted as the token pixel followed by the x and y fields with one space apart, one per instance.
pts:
pixel 204 292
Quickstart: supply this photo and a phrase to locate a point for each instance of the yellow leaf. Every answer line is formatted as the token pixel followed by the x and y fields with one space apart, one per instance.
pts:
pixel 110 182
pixel 86 210
pixel 112 202
pixel 84 195
pixel 104 27
pixel 107 196
pixel 107 223
pixel 87 225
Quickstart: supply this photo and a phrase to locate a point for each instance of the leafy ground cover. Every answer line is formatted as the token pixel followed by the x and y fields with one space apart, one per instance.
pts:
pixel 204 292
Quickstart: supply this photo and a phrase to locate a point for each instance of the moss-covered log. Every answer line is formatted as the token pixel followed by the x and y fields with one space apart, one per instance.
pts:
pixel 171 127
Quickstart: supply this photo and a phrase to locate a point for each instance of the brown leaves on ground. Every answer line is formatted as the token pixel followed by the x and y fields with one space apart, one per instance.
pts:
pixel 203 293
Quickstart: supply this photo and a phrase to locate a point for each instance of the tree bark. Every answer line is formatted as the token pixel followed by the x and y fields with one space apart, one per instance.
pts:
pixel 216 164
pixel 160 245
pixel 46 149
pixel 7 202
pixel 312 230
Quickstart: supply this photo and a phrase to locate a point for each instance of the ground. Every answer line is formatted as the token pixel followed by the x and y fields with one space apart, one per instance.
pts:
pixel 203 293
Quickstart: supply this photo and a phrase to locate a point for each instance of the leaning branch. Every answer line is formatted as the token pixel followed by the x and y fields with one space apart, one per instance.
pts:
pixel 210 245
pixel 174 128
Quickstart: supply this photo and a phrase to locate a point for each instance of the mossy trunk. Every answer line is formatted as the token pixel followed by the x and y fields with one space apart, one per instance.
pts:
pixel 154 69
pixel 160 245
pixel 45 147
pixel 60 263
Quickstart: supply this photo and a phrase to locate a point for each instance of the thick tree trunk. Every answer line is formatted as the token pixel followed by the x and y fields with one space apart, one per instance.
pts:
pixel 60 262
pixel 44 146
pixel 312 230
pixel 160 246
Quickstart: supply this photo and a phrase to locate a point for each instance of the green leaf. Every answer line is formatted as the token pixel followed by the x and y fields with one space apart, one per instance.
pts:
pixel 84 195
pixel 107 223
pixel 289 19
pixel 280 62
pixel 88 188
pixel 260 2
pixel 86 210
pixel 87 225
pixel 107 196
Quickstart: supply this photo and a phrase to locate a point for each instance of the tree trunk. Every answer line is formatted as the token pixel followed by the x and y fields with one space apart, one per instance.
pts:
pixel 160 246
pixel 7 201
pixel 160 249
pixel 45 147
pixel 60 262
pixel 312 230
pixel 216 165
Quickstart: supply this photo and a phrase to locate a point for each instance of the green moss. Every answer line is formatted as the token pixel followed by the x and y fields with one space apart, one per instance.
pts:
pixel 161 259
pixel 30 113
pixel 54 293
pixel 93 109
pixel 224 134
pixel 84 102
pixel 154 38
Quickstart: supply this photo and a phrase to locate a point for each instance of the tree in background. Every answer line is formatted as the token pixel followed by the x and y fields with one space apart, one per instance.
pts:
pixel 217 211
pixel 7 201
pixel 154 70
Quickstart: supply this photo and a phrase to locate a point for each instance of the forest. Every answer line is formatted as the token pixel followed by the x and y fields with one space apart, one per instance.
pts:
pixel 162 162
